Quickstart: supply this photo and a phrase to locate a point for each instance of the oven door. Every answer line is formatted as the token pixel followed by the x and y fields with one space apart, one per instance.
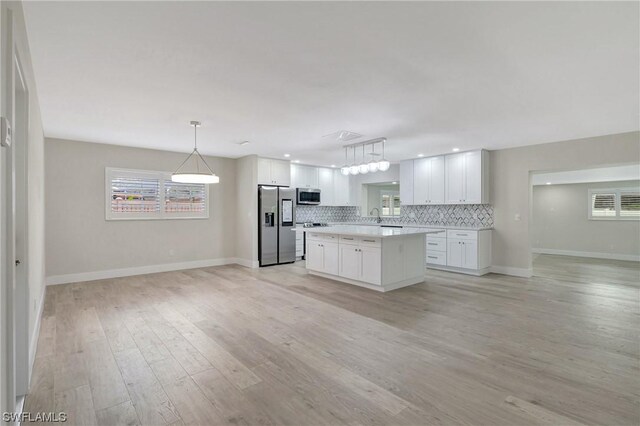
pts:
pixel 308 196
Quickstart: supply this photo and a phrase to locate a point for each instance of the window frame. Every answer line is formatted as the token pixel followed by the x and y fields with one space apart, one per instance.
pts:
pixel 111 172
pixel 392 205
pixel 617 202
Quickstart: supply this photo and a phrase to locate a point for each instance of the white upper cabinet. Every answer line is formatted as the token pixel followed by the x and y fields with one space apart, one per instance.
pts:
pixel 428 180
pixel 467 178
pixel 273 172
pixel 304 176
pixel 406 183
pixel 325 184
pixel 341 190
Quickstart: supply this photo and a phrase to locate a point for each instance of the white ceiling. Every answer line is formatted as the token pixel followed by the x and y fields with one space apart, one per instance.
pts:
pixel 600 174
pixel 428 76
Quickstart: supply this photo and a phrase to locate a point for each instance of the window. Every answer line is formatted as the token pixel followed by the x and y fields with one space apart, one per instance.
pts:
pixel 389 203
pixel 614 204
pixel 141 194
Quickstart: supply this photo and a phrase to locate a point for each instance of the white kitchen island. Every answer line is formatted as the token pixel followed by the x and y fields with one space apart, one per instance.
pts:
pixel 377 258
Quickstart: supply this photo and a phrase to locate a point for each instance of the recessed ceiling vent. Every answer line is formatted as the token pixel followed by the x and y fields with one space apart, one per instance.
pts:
pixel 343 136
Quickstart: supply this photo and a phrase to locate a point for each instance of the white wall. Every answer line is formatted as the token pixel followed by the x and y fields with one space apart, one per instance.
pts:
pixel 247 210
pixel 511 191
pixel 35 178
pixel 560 223
pixel 80 241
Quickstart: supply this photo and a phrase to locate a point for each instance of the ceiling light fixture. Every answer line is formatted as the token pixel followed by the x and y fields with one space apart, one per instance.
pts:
pixel 204 176
pixel 456 149
pixel 333 165
pixel 548 183
pixel 296 161
pixel 354 169
pixel 384 164
pixel 363 168
pixel 287 155
pixel 420 155
pixel 345 169
pixel 373 164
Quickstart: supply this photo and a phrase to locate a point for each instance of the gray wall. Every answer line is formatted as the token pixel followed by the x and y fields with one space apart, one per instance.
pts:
pixel 511 188
pixel 79 239
pixel 560 222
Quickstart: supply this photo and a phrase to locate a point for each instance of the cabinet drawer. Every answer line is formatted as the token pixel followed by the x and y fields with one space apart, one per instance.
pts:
pixel 313 236
pixel 466 235
pixel 330 237
pixel 321 237
pixel 437 244
pixel 370 242
pixel 436 257
pixel 344 239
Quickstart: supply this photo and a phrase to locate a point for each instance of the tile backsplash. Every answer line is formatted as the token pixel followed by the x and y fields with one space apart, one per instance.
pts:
pixel 465 215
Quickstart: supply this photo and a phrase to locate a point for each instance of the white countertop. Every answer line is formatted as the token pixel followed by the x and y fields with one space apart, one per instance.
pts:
pixel 367 231
pixel 412 225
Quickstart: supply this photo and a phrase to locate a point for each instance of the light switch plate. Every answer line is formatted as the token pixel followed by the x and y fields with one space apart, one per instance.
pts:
pixel 6 132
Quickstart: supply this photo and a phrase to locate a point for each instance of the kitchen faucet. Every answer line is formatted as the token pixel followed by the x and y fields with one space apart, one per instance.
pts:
pixel 379 219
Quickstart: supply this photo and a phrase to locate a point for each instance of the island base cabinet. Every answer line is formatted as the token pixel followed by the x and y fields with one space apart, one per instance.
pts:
pixel 371 265
pixel 322 256
pixel 360 263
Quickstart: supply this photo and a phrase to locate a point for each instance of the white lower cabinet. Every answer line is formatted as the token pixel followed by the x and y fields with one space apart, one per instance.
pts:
pixel 322 256
pixel 469 251
pixel 371 265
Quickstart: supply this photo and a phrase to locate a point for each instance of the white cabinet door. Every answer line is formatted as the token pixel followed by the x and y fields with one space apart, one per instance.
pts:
pixel 308 177
pixel 454 253
pixel 436 180
pixel 281 172
pixel 350 261
pixel 470 254
pixel 421 181
pixel 264 172
pixel 341 189
pixel 295 176
pixel 315 256
pixel 406 182
pixel 472 177
pixel 325 184
pixel 371 265
pixel 454 178
pixel 331 258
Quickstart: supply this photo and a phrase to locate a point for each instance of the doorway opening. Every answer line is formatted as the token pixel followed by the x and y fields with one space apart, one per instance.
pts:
pixel 585 224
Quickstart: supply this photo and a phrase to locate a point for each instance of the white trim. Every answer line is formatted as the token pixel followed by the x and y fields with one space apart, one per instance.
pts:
pixel 35 335
pixel 139 270
pixel 474 272
pixel 509 270
pixel 253 264
pixel 380 288
pixel 590 254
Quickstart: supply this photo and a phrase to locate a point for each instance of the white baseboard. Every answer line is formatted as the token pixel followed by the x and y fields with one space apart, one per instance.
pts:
pixel 141 270
pixel 591 254
pixel 247 263
pixel 33 343
pixel 509 270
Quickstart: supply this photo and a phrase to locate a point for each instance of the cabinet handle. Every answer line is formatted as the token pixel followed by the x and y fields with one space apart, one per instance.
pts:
pixel 432 257
pixel 432 244
pixel 369 241
pixel 345 238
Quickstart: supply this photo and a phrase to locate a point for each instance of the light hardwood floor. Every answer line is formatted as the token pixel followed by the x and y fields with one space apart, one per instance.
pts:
pixel 230 345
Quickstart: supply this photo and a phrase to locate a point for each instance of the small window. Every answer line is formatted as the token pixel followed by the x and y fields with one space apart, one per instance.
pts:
pixel 614 204
pixel 389 203
pixel 141 194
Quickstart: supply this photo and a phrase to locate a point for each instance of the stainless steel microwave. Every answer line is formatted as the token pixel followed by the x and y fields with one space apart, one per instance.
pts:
pixel 308 196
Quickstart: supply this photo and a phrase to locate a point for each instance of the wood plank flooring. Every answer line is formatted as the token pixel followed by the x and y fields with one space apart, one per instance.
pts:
pixel 276 346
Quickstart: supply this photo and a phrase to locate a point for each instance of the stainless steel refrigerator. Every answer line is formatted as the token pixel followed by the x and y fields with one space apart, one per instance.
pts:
pixel 277 220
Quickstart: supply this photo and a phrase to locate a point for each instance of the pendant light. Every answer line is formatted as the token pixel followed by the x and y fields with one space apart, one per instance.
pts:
pixel 363 168
pixel 354 169
pixel 383 164
pixel 345 169
pixel 373 164
pixel 197 176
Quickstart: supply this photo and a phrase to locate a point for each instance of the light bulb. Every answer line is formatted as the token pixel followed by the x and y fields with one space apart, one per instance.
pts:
pixel 344 170
pixel 363 168
pixel 373 166
pixel 384 165
pixel 354 170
